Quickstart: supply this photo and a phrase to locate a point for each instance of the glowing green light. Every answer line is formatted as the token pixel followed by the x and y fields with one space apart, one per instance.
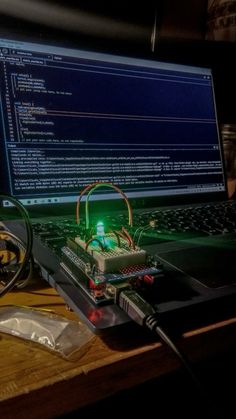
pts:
pixel 100 229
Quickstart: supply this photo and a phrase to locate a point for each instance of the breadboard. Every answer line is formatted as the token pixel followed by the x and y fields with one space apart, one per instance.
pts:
pixel 113 257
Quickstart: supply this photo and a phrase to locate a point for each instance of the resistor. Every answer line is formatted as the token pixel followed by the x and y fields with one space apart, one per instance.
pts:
pixel 153 223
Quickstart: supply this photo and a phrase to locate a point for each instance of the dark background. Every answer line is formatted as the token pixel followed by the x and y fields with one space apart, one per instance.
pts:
pixel 128 28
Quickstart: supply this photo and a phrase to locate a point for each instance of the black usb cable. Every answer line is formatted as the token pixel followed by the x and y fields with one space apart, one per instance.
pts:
pixel 144 314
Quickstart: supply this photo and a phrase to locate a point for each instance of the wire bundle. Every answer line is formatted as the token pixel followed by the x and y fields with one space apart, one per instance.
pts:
pixel 27 257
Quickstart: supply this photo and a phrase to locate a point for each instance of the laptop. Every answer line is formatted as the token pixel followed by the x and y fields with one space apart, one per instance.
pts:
pixel 71 118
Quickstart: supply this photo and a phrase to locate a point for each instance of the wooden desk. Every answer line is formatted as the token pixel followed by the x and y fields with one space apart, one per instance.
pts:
pixel 36 383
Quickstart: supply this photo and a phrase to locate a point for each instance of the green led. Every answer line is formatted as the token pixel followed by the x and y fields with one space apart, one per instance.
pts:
pixel 100 229
pixel 96 281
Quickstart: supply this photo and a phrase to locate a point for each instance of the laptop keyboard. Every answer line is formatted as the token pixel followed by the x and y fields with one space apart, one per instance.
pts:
pixel 55 233
pixel 151 226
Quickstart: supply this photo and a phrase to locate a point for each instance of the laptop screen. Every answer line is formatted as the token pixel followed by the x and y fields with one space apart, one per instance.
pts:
pixel 70 117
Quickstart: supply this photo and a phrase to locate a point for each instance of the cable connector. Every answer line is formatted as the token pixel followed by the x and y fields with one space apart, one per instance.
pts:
pixel 131 302
pixel 135 306
pixel 144 314
pixel 115 290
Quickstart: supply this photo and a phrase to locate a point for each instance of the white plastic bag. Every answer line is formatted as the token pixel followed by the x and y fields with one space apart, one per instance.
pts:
pixel 52 331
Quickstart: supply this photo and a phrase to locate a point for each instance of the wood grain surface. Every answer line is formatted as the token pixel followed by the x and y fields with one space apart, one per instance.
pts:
pixel 36 383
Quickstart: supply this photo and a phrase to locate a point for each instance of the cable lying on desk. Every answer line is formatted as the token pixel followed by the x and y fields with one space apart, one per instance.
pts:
pixel 144 314
pixel 28 247
pixel 27 273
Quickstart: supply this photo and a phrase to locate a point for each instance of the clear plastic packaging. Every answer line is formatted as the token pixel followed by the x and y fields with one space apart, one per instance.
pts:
pixel 66 337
